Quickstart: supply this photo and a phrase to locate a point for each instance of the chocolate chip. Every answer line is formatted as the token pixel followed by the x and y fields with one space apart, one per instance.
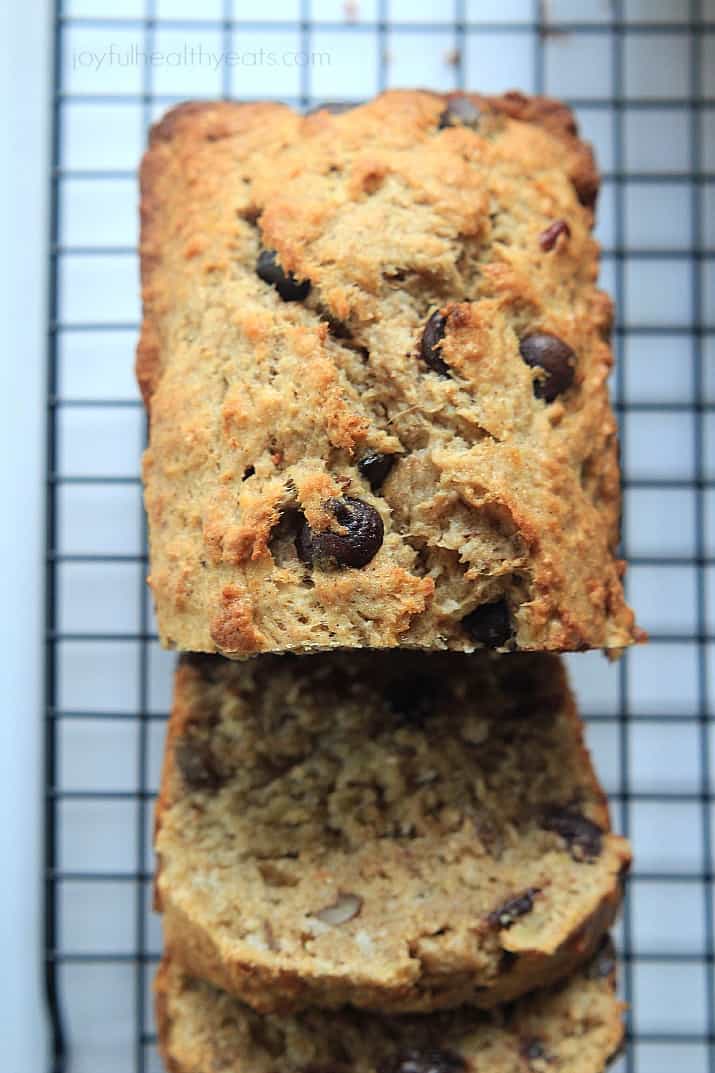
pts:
pixel 248 472
pixel 197 765
pixel 460 112
pixel 604 961
pixel 489 624
pixel 374 467
pixel 430 348
pixel 428 1061
pixel 555 357
pixel 583 837
pixel 289 288
pixel 549 237
pixel 508 913
pixel 362 539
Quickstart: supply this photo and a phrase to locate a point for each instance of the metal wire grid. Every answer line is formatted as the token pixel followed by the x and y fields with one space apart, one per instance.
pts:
pixel 107 682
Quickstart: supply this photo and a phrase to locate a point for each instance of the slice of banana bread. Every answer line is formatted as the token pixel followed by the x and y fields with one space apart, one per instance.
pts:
pixel 375 359
pixel 575 1028
pixel 395 830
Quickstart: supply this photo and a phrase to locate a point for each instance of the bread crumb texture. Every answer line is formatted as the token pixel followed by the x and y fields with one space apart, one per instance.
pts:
pixel 574 1028
pixel 375 359
pixel 399 831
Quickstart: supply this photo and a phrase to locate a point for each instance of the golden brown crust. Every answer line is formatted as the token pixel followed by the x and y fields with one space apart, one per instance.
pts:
pixel 262 408
pixel 205 121
pixel 164 983
pixel 213 120
pixel 242 718
pixel 559 121
pixel 576 1027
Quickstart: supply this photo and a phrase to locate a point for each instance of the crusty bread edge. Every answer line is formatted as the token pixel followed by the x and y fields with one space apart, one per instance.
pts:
pixel 164 1020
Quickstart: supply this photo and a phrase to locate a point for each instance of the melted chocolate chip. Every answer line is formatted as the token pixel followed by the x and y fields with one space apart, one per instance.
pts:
pixel 489 624
pixel 428 1061
pixel 374 467
pixel 555 357
pixel 583 837
pixel 508 913
pixel 362 539
pixel 550 236
pixel 196 763
pixel 430 348
pixel 460 112
pixel 289 288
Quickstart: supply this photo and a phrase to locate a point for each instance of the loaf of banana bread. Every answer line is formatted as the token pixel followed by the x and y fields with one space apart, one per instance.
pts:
pixel 375 359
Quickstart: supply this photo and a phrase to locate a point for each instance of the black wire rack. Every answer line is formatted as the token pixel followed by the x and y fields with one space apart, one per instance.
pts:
pixel 641 78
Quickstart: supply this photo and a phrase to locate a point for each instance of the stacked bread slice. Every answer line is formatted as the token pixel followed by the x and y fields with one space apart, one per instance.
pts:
pixel 575 1027
pixel 382 464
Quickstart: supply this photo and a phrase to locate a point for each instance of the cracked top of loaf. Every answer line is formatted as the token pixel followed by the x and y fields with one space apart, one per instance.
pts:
pixel 375 359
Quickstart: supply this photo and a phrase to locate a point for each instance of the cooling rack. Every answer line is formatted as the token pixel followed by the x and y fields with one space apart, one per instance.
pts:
pixel 640 75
